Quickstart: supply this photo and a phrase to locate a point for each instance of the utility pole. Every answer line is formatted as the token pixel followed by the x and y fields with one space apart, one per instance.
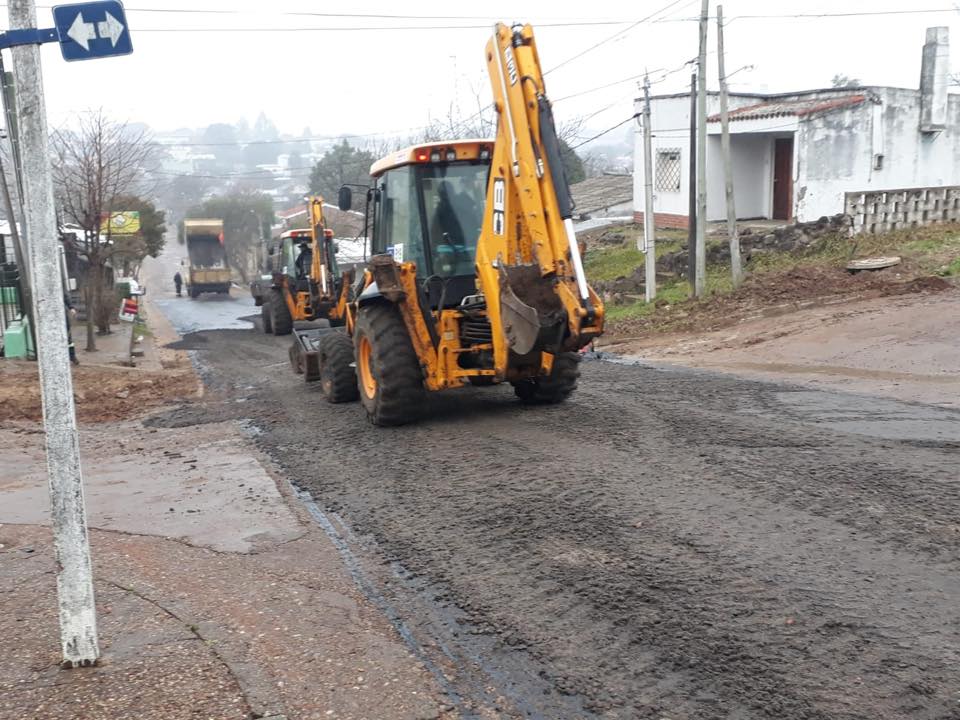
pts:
pixel 692 185
pixel 736 268
pixel 78 621
pixel 701 266
pixel 649 222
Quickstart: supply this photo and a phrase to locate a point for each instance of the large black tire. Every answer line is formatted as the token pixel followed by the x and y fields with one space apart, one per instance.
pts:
pixel 338 378
pixel 280 317
pixel 555 387
pixel 265 318
pixel 388 372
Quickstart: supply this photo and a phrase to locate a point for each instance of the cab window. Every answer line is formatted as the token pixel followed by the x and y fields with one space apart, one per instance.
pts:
pixel 401 234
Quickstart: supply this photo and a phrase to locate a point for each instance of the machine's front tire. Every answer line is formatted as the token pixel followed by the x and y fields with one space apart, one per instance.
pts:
pixel 555 387
pixel 388 370
pixel 338 378
pixel 280 317
pixel 265 318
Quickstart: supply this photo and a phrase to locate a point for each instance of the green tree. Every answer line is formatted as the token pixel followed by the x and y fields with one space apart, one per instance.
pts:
pixel 572 164
pixel 341 164
pixel 247 216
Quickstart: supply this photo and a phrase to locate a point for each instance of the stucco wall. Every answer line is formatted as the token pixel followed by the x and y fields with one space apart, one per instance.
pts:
pixel 752 160
pixel 837 152
pixel 670 120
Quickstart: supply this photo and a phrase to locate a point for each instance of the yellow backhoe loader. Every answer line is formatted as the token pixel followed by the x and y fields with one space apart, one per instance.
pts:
pixel 475 274
pixel 303 284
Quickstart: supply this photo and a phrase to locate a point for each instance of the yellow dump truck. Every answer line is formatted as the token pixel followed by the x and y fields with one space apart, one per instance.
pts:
pixel 205 269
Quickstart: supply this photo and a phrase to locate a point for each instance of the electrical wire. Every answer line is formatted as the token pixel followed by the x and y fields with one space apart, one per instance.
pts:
pixel 608 130
pixel 614 36
pixel 363 28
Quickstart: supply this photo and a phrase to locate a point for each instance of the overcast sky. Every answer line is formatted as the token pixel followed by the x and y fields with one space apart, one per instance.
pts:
pixel 191 68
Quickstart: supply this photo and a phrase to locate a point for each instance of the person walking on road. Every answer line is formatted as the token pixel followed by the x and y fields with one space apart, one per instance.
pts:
pixel 178 282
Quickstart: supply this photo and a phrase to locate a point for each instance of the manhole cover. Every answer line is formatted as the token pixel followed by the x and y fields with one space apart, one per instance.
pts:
pixel 876 263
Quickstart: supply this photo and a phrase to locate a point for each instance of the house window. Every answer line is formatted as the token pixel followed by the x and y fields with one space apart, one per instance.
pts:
pixel 667 175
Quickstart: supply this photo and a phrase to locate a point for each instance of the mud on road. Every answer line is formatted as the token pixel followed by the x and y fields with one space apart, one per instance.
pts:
pixel 668 544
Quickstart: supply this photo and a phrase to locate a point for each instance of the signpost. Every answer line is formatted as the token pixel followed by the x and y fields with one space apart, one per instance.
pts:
pixel 92 30
pixel 84 31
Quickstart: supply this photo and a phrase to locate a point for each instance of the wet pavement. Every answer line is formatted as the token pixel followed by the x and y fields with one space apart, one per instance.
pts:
pixel 669 543
pixel 207 312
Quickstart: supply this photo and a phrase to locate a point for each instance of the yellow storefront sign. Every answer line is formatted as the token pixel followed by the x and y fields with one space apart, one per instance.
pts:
pixel 126 222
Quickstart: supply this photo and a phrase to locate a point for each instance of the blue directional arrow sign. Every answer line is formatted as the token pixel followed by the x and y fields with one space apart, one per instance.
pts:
pixel 92 30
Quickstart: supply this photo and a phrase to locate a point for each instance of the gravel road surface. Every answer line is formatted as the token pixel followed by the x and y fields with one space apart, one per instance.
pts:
pixel 668 544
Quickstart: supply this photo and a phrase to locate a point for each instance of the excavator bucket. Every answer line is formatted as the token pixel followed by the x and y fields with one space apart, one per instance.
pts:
pixel 532 314
pixel 521 323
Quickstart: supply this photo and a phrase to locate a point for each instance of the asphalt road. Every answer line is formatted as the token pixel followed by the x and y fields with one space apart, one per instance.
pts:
pixel 668 544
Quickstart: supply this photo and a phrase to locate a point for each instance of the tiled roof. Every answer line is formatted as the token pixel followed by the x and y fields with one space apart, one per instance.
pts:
pixel 796 108
pixel 601 192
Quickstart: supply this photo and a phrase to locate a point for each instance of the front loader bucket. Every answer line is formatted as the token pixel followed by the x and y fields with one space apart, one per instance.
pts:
pixel 530 310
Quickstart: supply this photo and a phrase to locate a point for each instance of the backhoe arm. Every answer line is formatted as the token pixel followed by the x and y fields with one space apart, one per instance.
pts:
pixel 528 259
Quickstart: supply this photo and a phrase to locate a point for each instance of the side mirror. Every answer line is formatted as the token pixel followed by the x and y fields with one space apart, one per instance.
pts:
pixel 345 198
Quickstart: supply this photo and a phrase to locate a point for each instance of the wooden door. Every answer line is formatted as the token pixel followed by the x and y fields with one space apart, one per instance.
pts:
pixel 783 178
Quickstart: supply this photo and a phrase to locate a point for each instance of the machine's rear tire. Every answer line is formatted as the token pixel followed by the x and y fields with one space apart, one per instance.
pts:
pixel 265 318
pixel 338 378
pixel 388 371
pixel 280 317
pixel 555 387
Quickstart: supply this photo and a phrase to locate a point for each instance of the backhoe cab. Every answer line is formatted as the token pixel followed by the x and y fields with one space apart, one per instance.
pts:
pixel 475 274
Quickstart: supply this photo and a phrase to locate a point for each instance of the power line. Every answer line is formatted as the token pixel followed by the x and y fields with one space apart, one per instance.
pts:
pixel 608 130
pixel 363 28
pixel 615 36
pixel 305 13
pixel 861 13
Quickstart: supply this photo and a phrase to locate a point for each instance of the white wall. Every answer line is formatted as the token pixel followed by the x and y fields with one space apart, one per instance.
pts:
pixel 753 157
pixel 670 120
pixel 752 160
pixel 837 152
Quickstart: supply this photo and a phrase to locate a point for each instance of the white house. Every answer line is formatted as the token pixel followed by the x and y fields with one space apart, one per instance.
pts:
pixel 888 156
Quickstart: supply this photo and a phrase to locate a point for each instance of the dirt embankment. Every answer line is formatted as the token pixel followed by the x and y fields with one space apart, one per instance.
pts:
pixel 776 293
pixel 102 393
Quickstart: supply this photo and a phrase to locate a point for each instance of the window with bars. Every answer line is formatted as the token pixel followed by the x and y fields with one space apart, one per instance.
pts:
pixel 667 174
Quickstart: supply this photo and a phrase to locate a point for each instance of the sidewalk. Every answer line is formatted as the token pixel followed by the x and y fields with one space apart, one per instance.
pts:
pixel 218 596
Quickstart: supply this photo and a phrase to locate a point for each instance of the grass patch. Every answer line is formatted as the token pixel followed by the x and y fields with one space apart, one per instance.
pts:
pixel 951 269
pixel 609 263
pixel 931 250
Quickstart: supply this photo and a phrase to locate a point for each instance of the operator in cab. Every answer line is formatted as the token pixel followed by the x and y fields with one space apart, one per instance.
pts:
pixel 303 262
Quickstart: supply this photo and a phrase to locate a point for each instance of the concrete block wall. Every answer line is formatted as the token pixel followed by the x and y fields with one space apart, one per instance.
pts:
pixel 884 210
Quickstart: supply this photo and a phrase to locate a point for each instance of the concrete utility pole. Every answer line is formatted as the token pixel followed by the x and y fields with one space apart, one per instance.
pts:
pixel 736 267
pixel 649 218
pixel 701 266
pixel 78 621
pixel 692 191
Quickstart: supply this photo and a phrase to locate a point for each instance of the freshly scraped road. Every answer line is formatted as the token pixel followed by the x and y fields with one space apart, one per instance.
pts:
pixel 668 544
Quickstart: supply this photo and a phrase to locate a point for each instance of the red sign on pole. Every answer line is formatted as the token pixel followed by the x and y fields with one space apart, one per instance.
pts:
pixel 128 310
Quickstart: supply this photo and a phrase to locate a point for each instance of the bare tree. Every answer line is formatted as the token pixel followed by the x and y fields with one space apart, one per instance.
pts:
pixel 93 164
